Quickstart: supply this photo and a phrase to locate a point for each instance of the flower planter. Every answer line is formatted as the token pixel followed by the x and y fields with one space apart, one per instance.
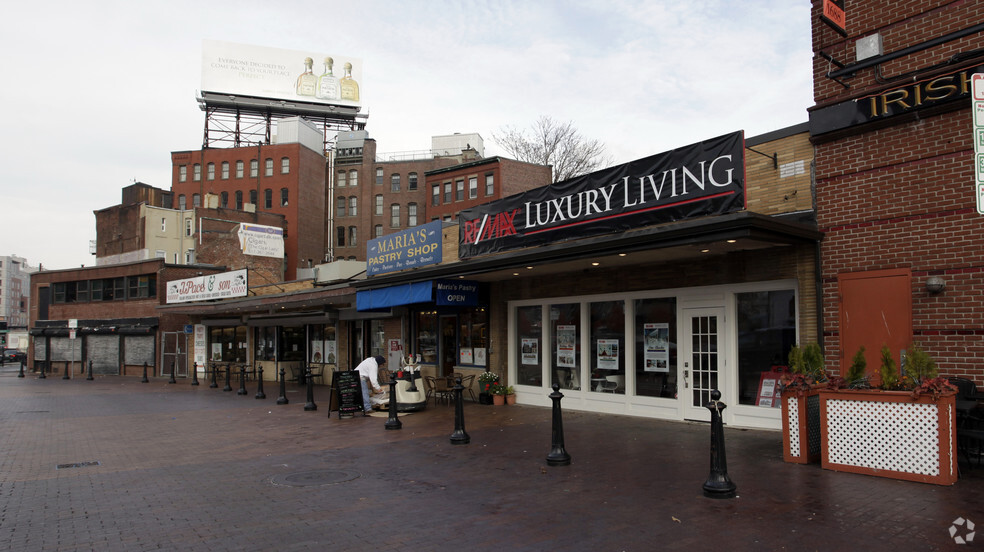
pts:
pixel 801 426
pixel 484 398
pixel 498 400
pixel 889 434
pixel 511 399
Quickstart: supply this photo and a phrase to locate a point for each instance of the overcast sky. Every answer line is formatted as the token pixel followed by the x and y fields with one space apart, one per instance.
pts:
pixel 99 93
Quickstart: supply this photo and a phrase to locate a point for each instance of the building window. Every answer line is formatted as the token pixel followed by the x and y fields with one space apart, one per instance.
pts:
pixel 394 182
pixel 268 198
pixel 190 256
pixel 395 215
pixel 459 190
pixel 224 199
pixel 239 169
pixel 379 205
pixel 353 178
pixel 340 206
pixel 182 173
pixel 412 181
pixel 472 187
pixel 141 287
pixel 196 200
pixel 285 165
pixel 436 194
pixel 268 167
pixel 239 200
pixel 252 197
pixel 254 168
pixel 189 226
pixel 353 241
pixel 411 214
pixel 377 231
pixel 341 179
pixel 210 171
pixel 379 176
pixel 182 202
pixel 197 172
pixel 225 170
pixel 489 185
pixel 353 206
pixel 283 197
pixel 340 236
pixel 766 323
pixel 447 192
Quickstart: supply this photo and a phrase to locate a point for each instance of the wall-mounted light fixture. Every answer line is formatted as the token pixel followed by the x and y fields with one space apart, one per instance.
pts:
pixel 935 284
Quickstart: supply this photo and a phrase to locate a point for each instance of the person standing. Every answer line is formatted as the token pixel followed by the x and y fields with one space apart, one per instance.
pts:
pixel 368 371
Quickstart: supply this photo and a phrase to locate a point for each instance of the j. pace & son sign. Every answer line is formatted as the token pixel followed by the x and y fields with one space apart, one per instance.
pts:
pixel 707 178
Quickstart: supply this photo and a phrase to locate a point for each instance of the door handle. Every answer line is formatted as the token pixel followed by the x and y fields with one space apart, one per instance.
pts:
pixel 686 379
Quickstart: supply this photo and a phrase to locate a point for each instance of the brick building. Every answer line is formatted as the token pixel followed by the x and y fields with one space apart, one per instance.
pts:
pixel 892 127
pixel 469 184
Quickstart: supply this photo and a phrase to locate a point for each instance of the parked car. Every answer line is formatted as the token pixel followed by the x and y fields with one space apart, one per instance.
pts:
pixel 14 356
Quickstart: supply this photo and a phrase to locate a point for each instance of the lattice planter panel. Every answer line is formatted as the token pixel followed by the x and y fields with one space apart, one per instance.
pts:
pixel 889 434
pixel 801 426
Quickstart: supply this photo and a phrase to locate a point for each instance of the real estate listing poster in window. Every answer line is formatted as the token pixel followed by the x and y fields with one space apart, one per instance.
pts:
pixel 657 339
pixel 608 354
pixel 531 348
pixel 566 335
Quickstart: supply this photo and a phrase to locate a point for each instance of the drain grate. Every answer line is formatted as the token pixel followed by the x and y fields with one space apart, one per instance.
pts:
pixel 76 465
pixel 314 478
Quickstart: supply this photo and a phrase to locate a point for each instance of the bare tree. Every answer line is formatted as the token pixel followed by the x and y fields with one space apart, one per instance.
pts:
pixel 548 142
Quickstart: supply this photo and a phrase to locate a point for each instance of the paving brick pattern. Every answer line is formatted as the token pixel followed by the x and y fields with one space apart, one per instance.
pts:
pixel 193 468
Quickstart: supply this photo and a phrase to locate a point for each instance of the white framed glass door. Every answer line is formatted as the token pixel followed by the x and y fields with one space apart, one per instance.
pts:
pixel 703 360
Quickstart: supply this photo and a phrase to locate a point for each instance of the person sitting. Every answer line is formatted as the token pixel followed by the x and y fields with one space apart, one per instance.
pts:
pixel 368 371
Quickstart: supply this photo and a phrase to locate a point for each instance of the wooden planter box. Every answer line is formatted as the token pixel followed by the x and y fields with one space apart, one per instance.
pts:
pixel 801 426
pixel 889 434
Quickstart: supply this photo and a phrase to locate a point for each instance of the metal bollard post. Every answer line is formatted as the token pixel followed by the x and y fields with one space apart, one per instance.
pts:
pixel 718 485
pixel 145 380
pixel 228 385
pixel 214 383
pixel 310 391
pixel 393 422
pixel 20 374
pixel 259 384
pixel 66 376
pixel 282 399
pixel 459 437
pixel 174 368
pixel 88 376
pixel 242 380
pixel 194 375
pixel 41 375
pixel 558 456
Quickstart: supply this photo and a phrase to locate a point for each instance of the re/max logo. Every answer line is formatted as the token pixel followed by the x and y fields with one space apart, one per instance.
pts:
pixel 488 227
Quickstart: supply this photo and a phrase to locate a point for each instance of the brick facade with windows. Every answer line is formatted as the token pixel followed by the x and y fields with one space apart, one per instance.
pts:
pixel 498 175
pixel 895 182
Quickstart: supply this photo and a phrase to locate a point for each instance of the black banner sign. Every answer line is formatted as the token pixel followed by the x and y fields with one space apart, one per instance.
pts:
pixel 707 178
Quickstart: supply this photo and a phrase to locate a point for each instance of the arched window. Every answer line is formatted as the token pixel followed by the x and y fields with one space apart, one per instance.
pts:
pixel 239 200
pixel 395 182
pixel 283 197
pixel 353 178
pixel 353 206
pixel 285 165
pixel 268 198
pixel 379 205
pixel 395 215
pixel 340 206
pixel 225 170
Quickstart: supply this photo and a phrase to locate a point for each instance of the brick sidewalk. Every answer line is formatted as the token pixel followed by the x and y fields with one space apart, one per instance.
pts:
pixel 193 468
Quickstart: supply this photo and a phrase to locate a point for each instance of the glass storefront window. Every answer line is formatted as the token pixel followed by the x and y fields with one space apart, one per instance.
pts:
pixel 473 336
pixel 322 345
pixel 291 343
pixel 377 340
pixel 426 337
pixel 608 346
pixel 766 333
pixel 529 331
pixel 565 345
pixel 655 361
pixel 265 340
pixel 227 344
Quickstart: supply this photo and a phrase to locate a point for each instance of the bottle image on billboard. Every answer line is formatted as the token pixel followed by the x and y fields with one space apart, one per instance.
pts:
pixel 328 85
pixel 307 83
pixel 350 88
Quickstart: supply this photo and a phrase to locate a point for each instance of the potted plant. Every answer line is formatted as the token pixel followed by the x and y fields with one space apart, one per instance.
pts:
pixel 498 392
pixel 903 427
pixel 800 402
pixel 510 395
pixel 485 382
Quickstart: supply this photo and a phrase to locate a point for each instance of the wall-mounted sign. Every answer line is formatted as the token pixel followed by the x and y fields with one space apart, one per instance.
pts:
pixel 461 293
pixel 261 241
pixel 293 75
pixel 977 95
pixel 833 15
pixel 707 178
pixel 410 248
pixel 203 288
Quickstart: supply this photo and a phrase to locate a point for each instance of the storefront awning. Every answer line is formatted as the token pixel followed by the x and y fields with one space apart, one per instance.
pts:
pixel 392 296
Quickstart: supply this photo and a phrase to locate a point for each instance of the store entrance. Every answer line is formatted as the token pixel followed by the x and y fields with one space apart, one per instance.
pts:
pixel 702 361
pixel 449 344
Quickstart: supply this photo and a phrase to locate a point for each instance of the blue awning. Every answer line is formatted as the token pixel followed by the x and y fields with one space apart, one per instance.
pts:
pixel 403 294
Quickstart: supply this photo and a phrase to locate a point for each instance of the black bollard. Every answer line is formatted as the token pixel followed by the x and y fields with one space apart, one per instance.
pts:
pixel 214 383
pixel 259 384
pixel 145 380
pixel 20 374
pixel 718 485
pixel 66 376
pixel 42 376
pixel 282 399
pixel 310 391
pixel 174 368
pixel 194 375
pixel 228 385
pixel 558 456
pixel 88 376
pixel 459 437
pixel 242 380
pixel 393 422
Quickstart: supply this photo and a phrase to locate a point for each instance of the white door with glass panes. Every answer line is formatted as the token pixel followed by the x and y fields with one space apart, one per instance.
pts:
pixel 702 362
